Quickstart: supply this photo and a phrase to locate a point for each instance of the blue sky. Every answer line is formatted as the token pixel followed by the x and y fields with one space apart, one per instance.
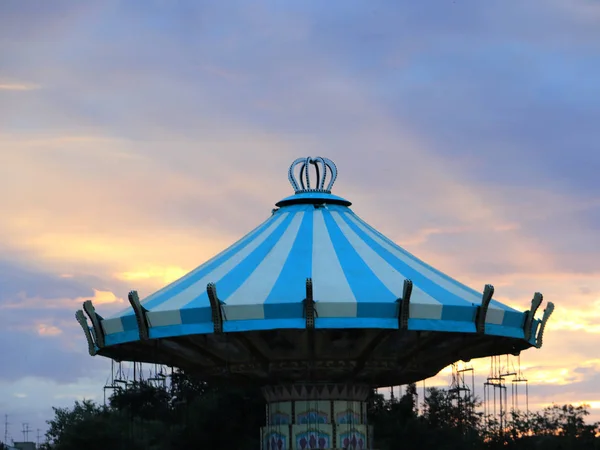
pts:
pixel 137 139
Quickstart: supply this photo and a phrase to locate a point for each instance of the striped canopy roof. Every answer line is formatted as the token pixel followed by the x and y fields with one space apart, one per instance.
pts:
pixel 358 278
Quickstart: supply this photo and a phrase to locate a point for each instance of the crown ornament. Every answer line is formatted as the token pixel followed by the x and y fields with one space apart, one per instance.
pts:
pixel 324 170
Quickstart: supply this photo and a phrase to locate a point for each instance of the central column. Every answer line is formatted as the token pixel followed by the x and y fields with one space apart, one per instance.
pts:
pixel 316 416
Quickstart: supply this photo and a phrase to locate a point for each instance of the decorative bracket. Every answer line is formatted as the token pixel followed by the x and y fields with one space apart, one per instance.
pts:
pixel 89 309
pixel 80 316
pixel 215 306
pixel 547 313
pixel 404 305
pixel 482 310
pixel 140 315
pixel 309 305
pixel 530 315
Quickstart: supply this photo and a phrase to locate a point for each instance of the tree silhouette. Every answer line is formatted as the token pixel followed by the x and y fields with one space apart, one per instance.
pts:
pixel 191 413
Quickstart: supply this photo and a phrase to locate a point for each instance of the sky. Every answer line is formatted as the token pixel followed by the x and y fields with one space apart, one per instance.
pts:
pixel 139 138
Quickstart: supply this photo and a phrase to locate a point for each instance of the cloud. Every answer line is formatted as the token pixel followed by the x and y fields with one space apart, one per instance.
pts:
pixel 165 275
pixel 158 223
pixel 18 87
pixel 37 310
pixel 48 356
pixel 23 302
pixel 48 330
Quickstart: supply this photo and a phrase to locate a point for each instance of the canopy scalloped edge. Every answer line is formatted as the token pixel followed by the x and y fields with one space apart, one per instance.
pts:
pixel 533 329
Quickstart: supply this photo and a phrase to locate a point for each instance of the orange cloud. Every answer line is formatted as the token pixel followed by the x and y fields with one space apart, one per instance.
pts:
pixel 103 298
pixel 584 319
pixel 593 404
pixel 24 302
pixel 67 215
pixel 553 376
pixel 18 87
pixel 163 275
pixel 48 330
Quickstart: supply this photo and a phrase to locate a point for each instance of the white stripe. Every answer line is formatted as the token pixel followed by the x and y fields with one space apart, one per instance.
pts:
pixel 184 297
pixel 413 263
pixel 424 310
pixel 112 326
pixel 494 316
pixel 177 282
pixel 259 284
pixel 244 312
pixel 336 309
pixel 329 281
pixel 163 318
pixel 232 247
pixel 495 313
pixel 387 274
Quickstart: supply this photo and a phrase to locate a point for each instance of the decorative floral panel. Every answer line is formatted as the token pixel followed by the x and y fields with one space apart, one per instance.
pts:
pixel 320 437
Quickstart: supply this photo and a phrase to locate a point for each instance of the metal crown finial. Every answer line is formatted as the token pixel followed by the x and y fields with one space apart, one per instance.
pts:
pixel 303 182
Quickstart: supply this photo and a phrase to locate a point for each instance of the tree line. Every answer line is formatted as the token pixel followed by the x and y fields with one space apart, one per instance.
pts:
pixel 190 413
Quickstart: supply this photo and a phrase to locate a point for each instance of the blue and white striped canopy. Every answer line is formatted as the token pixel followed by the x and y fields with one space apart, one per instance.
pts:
pixel 357 277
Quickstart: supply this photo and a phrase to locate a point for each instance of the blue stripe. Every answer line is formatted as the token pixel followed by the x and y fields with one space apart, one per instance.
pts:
pixel 513 319
pixel 501 330
pixel 355 322
pixel 262 324
pixel 502 306
pixel 129 322
pixel 459 313
pixel 236 277
pixel 441 325
pixel 373 298
pixel 122 337
pixel 447 298
pixel 424 264
pixel 285 299
pixel 197 315
pixel 182 330
pixel 184 283
pixel 324 323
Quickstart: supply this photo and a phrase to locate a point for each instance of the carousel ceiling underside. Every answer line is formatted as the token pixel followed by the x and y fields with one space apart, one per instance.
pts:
pixel 370 356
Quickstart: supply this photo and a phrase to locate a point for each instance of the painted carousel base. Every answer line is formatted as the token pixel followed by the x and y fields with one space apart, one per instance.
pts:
pixel 316 416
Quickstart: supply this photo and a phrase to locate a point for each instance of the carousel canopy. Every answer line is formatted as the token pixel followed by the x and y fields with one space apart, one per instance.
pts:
pixel 313 293
pixel 314 245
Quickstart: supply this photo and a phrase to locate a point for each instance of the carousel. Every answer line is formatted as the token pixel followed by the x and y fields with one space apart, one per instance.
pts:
pixel 316 308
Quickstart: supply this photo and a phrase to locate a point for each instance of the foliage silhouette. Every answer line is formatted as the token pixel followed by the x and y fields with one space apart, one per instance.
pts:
pixel 192 413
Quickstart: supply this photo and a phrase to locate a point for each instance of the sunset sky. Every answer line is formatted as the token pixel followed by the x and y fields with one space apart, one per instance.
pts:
pixel 139 138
